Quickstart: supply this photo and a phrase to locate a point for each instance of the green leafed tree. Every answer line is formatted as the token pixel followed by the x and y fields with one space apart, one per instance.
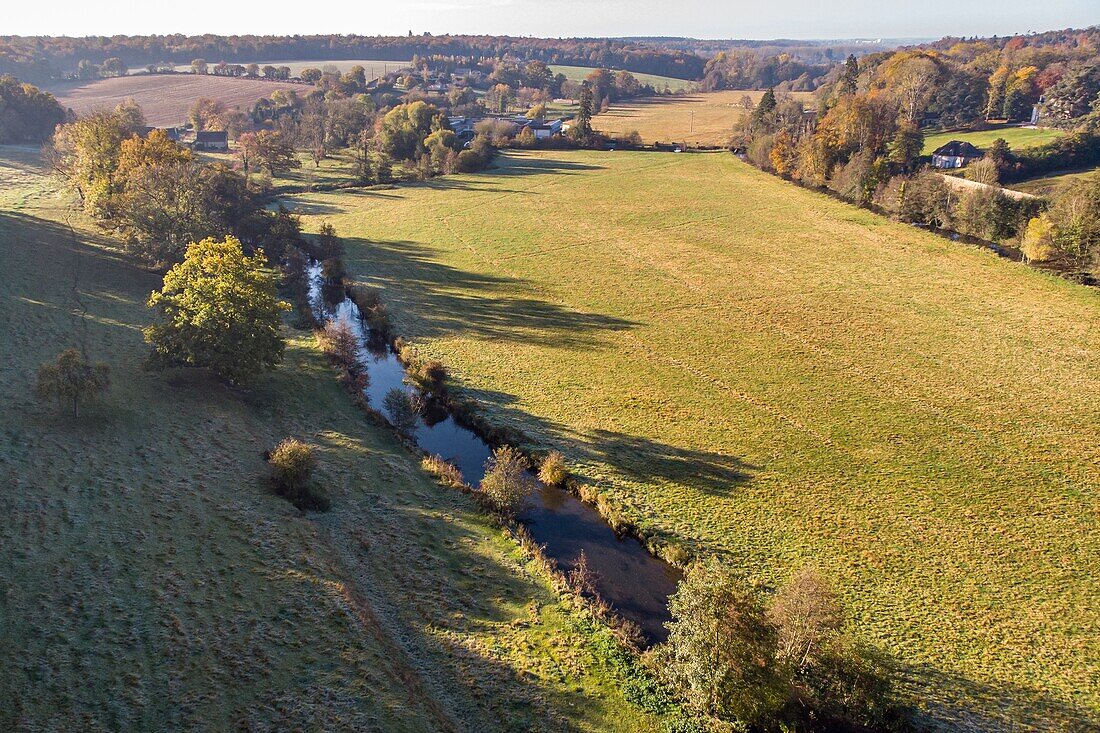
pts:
pixel 72 380
pixel 218 310
pixel 721 650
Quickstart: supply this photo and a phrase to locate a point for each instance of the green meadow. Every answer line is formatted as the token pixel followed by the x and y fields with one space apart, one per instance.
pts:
pixel 578 73
pixel 1018 138
pixel 152 581
pixel 765 373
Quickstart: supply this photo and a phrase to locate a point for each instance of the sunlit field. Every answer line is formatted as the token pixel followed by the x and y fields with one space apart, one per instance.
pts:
pixel 769 374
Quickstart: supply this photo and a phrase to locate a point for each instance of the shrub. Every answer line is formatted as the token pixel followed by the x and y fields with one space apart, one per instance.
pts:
pixel 428 375
pixel 552 469
pixel 401 410
pixel 292 465
pixel 341 344
pixel 72 379
pixel 506 483
pixel 447 472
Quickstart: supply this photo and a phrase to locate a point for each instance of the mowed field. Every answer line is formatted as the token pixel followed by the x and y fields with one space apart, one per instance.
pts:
pixel 578 73
pixel 152 581
pixel 697 119
pixel 165 98
pixel 1018 138
pixel 785 380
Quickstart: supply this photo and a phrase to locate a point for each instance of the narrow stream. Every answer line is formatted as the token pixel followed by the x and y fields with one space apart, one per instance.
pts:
pixel 634 582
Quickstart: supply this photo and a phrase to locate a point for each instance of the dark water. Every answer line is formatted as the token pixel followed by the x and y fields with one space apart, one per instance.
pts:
pixel 634 582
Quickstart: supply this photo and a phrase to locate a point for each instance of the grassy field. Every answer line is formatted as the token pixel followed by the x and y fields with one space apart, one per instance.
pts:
pixel 698 119
pixel 152 582
pixel 1046 185
pixel 1017 138
pixel 578 73
pixel 784 379
pixel 165 98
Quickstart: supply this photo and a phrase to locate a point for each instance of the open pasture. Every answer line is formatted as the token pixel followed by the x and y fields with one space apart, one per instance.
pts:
pixel 769 374
pixel 1018 138
pixel 578 73
pixel 702 118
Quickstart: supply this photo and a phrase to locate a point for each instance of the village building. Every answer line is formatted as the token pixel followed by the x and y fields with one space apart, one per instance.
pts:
pixel 955 154
pixel 216 140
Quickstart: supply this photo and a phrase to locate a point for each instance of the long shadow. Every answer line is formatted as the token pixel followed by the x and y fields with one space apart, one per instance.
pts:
pixel 445 300
pixel 999 707
pixel 636 458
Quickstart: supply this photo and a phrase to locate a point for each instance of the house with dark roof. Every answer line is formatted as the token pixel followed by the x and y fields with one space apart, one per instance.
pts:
pixel 211 140
pixel 954 154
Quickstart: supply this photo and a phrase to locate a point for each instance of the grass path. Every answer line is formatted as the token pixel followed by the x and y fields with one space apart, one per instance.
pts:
pixel 785 379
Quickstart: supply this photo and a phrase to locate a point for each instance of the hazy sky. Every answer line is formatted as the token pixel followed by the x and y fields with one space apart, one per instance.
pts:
pixel 697 18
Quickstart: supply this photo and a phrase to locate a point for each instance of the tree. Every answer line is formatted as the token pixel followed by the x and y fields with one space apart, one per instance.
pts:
pixel 292 465
pixel 199 66
pixel 400 410
pixel 506 483
pixel 218 310
pixel 1037 244
pixel 266 149
pixel 721 650
pixel 764 109
pixel 113 66
pixel 404 128
pixel 585 110
pixel 85 153
pixel 849 79
pixel 907 145
pixel 160 203
pixel 808 618
pixel 72 379
pixel 130 115
pixel 253 70
pixel 27 114
pixel 208 114
pixel 1075 215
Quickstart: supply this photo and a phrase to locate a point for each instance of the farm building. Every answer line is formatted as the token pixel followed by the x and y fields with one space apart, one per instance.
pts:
pixel 954 154
pixel 544 130
pixel 211 140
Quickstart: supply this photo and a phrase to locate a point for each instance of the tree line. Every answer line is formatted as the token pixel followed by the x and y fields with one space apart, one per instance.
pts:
pixel 864 140
pixel 41 57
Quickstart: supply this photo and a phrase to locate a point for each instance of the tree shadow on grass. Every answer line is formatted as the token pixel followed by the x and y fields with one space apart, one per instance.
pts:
pixel 636 458
pixel 445 300
pixel 964 704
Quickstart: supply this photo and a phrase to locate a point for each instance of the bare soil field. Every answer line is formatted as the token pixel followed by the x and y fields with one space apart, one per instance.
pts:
pixel 165 98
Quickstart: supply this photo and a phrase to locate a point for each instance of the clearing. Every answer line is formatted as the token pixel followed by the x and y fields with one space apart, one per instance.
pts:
pixel 166 99
pixel 696 119
pixel 786 379
pixel 152 581
pixel 1018 138
pixel 578 73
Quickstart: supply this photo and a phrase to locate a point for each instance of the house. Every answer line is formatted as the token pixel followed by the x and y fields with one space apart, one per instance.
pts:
pixel 217 140
pixel 544 130
pixel 954 154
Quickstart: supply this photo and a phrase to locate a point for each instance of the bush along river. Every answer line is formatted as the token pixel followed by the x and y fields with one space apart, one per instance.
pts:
pixel 636 584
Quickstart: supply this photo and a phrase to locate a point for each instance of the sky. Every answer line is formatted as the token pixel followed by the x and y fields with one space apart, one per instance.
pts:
pixel 758 19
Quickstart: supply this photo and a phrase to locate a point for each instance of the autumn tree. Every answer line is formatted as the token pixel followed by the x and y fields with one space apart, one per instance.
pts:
pixel 208 114
pixel 199 66
pixel 72 380
pixel 160 204
pixel 266 149
pixel 218 310
pixel 27 114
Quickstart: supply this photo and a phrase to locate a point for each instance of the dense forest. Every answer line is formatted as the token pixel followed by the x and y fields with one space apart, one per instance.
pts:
pixel 39 58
